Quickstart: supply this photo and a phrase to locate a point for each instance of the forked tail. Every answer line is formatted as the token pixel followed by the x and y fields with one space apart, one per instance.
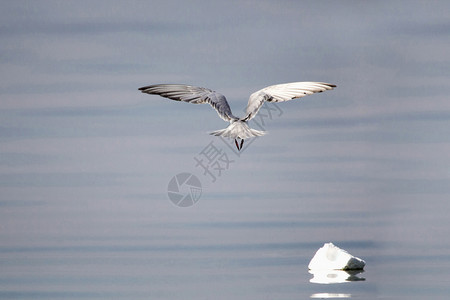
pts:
pixel 238 129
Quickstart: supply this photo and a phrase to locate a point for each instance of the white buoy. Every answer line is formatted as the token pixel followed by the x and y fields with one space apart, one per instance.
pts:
pixel 330 257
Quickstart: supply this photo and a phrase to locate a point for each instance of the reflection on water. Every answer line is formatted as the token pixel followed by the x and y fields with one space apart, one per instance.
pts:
pixel 335 276
pixel 330 295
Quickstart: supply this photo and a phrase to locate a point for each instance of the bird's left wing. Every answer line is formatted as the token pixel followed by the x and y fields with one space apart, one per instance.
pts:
pixel 192 94
pixel 283 92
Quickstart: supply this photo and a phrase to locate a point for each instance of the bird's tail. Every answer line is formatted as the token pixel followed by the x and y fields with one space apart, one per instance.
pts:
pixel 238 129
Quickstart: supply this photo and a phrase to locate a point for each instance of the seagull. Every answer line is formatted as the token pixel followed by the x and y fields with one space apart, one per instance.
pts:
pixel 238 128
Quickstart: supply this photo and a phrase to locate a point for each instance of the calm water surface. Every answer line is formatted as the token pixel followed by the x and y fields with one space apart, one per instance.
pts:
pixel 94 235
pixel 85 159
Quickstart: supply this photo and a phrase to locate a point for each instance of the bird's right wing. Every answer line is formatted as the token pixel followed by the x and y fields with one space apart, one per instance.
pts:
pixel 283 92
pixel 192 94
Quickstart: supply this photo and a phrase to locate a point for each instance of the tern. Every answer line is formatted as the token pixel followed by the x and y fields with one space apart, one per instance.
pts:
pixel 238 128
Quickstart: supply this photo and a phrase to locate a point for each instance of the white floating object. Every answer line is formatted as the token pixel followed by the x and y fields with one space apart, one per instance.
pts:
pixel 330 257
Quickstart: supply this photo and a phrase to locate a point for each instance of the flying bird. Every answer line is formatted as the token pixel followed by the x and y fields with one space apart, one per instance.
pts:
pixel 238 128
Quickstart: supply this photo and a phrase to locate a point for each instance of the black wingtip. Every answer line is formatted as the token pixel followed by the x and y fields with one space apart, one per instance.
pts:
pixel 142 89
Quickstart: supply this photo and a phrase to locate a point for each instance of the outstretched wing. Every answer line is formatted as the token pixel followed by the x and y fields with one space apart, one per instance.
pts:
pixel 283 92
pixel 192 94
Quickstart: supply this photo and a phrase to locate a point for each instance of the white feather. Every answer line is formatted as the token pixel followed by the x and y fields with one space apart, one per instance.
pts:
pixel 283 92
pixel 238 127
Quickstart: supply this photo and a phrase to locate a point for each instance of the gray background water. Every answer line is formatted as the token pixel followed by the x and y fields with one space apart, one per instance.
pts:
pixel 86 159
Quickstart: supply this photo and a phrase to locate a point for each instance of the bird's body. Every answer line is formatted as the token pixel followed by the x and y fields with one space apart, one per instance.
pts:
pixel 238 128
